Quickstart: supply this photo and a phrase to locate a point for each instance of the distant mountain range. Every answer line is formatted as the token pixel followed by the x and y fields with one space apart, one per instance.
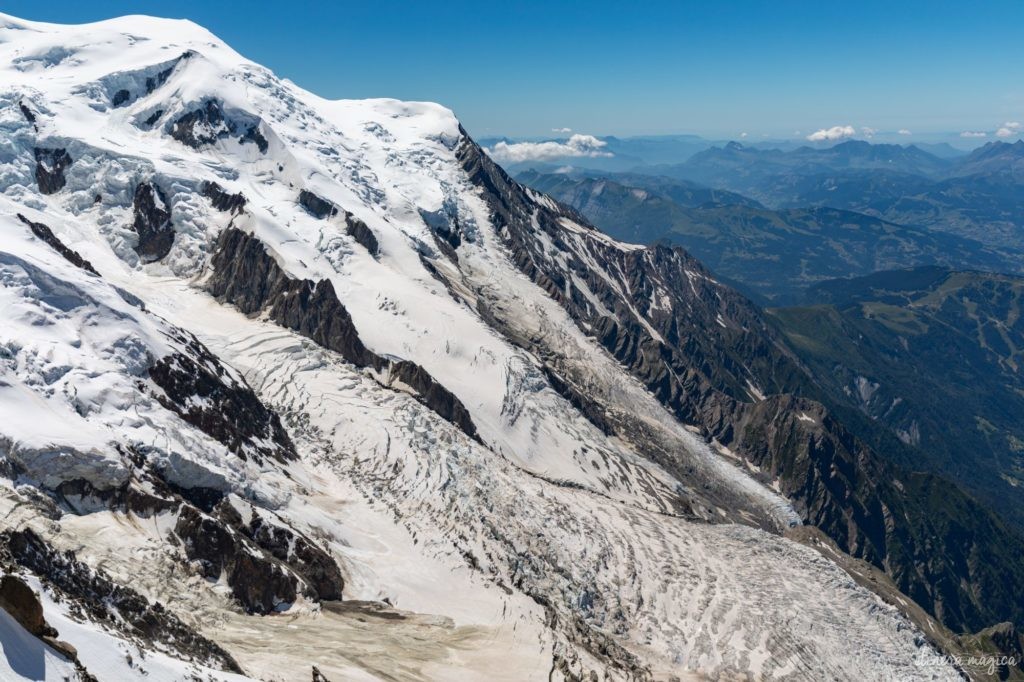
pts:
pixel 660 154
pixel 772 255
pixel 976 196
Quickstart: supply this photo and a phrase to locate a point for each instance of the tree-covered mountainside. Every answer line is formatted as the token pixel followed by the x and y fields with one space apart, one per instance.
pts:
pixel 935 356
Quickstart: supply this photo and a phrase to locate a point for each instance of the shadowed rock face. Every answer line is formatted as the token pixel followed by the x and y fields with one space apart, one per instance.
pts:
pixel 201 390
pixel 47 235
pixel 709 356
pixel 28 114
pixel 222 200
pixel 50 167
pixel 208 123
pixel 245 275
pixel 152 223
pixel 354 227
pixel 359 231
pixel 312 564
pixel 258 584
pixel 317 206
pixel 266 565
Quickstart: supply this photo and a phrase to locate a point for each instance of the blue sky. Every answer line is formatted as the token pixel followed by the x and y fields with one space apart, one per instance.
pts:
pixel 716 69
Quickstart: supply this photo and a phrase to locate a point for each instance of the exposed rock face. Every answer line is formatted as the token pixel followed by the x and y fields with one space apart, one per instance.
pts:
pixel 322 208
pixel 444 225
pixel 28 114
pixel 266 565
pixel 315 566
pixel 259 584
pixel 132 85
pixel 209 123
pixel 152 222
pixel 359 231
pixel 248 277
pixel 222 200
pixel 153 118
pixel 205 394
pixel 317 206
pixel 709 356
pixel 50 167
pixel 433 394
pixel 80 496
pixel 18 599
pixel 120 608
pixel 47 235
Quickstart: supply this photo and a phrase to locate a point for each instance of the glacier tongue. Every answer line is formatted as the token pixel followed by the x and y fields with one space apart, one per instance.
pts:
pixel 539 548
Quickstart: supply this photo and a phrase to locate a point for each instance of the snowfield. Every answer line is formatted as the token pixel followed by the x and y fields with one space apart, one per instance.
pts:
pixel 539 549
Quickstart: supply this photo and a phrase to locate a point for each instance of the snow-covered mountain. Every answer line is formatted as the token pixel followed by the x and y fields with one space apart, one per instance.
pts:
pixel 288 382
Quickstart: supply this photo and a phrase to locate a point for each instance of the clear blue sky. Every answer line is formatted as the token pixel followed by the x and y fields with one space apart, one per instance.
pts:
pixel 718 69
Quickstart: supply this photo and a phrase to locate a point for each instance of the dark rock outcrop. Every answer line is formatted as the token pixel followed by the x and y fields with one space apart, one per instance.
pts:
pixel 18 599
pixel 314 565
pixel 222 200
pixel 444 226
pixel 80 497
pixel 120 97
pixel 143 81
pixel 203 392
pixel 359 231
pixel 94 595
pixel 28 114
pixel 245 275
pixel 50 167
pixel 209 123
pixel 258 583
pixel 316 205
pixel 46 234
pixel 709 356
pixel 433 394
pixel 266 565
pixel 153 118
pixel 152 222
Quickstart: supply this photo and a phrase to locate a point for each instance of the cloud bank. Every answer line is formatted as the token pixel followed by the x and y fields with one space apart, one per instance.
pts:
pixel 1009 129
pixel 904 131
pixel 972 133
pixel 833 133
pixel 576 146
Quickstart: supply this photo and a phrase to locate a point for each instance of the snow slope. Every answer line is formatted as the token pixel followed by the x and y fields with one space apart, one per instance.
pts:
pixel 542 548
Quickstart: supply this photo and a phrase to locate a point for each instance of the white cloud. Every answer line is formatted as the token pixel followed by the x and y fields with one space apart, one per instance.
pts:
pixel 868 132
pixel 833 133
pixel 904 131
pixel 1009 129
pixel 561 130
pixel 576 146
pixel 972 133
pixel 743 134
